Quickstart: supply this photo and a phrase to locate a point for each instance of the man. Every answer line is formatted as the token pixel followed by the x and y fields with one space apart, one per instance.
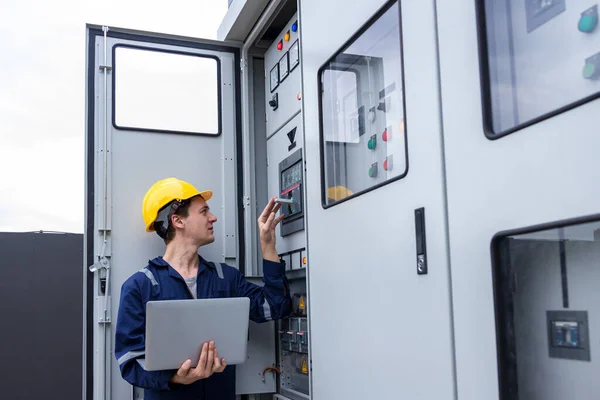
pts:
pixel 179 213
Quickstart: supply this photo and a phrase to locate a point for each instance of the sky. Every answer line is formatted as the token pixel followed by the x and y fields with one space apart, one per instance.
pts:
pixel 42 97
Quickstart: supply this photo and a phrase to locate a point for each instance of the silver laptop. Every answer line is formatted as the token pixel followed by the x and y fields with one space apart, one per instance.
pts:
pixel 177 329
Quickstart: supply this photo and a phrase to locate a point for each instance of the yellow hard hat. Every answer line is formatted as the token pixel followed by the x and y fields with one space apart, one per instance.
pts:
pixel 338 193
pixel 164 192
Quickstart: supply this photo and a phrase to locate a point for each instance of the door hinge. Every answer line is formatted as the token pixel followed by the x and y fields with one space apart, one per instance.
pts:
pixel 105 68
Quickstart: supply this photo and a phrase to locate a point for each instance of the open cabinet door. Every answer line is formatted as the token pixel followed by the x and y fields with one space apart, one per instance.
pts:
pixel 157 106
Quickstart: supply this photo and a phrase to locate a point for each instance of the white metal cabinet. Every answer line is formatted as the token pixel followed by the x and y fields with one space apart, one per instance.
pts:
pixel 540 166
pixel 379 329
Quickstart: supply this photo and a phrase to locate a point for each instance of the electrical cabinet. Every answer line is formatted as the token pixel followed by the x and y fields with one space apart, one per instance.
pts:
pixel 520 107
pixel 446 172
pixel 286 179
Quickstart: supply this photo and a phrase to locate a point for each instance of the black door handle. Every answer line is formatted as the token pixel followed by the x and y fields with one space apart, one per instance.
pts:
pixel 421 242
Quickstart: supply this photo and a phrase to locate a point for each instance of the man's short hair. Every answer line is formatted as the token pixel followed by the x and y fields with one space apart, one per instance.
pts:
pixel 163 226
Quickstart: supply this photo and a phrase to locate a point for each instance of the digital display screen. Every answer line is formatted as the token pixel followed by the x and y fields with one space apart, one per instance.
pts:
pixel 291 176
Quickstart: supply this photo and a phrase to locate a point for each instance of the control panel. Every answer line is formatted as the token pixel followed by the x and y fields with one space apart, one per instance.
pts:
pixel 523 41
pixel 283 80
pixel 290 183
pixel 285 179
pixel 285 175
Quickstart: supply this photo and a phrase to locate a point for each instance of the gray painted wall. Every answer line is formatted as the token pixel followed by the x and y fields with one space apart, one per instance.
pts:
pixel 41 284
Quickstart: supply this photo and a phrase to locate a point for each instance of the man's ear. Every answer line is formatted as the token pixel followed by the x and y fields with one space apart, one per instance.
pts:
pixel 177 221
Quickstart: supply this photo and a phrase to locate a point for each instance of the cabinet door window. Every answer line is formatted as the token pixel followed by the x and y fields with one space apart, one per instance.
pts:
pixel 166 91
pixel 539 58
pixel 362 112
pixel 547 306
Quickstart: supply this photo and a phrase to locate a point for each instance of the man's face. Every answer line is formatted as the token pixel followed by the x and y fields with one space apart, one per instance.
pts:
pixel 198 225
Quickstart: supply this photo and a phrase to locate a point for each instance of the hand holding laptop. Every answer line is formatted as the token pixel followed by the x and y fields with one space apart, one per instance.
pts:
pixel 208 364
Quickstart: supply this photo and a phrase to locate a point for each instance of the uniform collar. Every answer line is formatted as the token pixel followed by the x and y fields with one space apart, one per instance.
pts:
pixel 203 265
pixel 161 263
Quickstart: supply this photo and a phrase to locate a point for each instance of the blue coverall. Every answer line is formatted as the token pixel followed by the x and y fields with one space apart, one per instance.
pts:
pixel 159 281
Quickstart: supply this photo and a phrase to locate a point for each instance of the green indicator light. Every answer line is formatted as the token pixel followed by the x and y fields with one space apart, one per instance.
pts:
pixel 589 71
pixel 372 142
pixel 589 20
pixel 373 170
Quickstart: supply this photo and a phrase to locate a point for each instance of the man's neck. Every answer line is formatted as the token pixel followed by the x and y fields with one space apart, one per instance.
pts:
pixel 183 258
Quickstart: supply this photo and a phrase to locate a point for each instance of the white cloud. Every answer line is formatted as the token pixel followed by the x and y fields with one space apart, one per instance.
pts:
pixel 42 101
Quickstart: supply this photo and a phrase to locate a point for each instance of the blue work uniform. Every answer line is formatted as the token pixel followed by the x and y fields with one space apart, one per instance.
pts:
pixel 159 281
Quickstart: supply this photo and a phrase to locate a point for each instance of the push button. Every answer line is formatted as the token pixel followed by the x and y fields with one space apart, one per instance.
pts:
pixel 388 164
pixel 372 143
pixel 588 20
pixel 387 134
pixel 591 69
pixel 373 170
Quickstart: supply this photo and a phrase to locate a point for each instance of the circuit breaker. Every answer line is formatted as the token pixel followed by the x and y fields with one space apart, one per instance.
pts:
pixel 293 349
pixel 568 334
pixel 290 186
